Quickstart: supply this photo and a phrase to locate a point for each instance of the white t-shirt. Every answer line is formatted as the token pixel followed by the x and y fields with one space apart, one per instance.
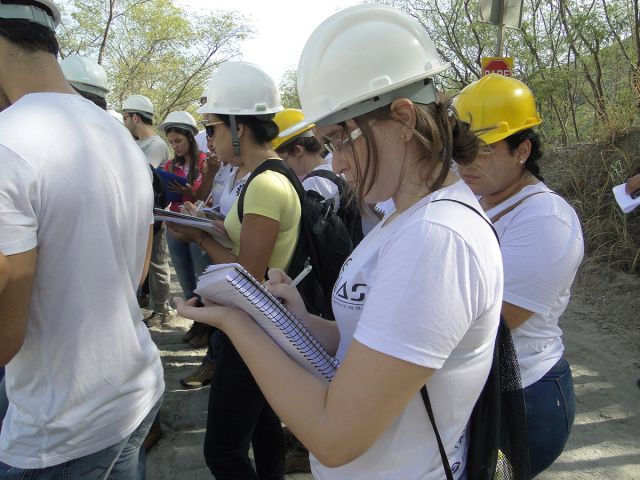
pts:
pixel 201 141
pixel 232 189
pixel 425 288
pixel 156 150
pixel 88 372
pixel 217 187
pixel 386 207
pixel 542 247
pixel 323 186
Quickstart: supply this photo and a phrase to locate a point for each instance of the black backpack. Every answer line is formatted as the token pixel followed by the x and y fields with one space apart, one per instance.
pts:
pixel 498 447
pixel 348 211
pixel 324 242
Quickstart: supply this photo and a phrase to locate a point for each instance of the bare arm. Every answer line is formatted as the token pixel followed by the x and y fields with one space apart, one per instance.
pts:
pixel 4 271
pixel 14 303
pixel 514 315
pixel 339 421
pixel 147 256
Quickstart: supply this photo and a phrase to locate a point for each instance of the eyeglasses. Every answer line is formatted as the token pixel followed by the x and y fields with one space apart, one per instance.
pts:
pixel 210 128
pixel 338 144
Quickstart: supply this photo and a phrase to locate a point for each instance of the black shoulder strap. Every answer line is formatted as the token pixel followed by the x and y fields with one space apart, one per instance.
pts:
pixel 443 454
pixel 275 165
pixel 472 209
pixel 423 390
pixel 329 175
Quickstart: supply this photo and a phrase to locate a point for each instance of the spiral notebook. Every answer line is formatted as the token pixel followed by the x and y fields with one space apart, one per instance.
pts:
pixel 205 224
pixel 230 284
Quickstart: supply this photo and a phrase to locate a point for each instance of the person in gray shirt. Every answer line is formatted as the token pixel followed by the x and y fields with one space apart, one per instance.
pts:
pixel 138 118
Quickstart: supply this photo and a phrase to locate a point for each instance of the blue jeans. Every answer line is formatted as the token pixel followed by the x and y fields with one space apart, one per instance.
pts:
pixel 123 461
pixel 551 408
pixel 189 261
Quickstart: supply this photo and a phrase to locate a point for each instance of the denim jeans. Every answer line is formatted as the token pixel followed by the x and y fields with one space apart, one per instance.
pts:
pixel 238 416
pixel 123 461
pixel 189 261
pixel 551 407
pixel 159 274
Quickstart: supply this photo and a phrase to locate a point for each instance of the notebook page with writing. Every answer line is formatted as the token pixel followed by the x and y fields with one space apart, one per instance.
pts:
pixel 231 285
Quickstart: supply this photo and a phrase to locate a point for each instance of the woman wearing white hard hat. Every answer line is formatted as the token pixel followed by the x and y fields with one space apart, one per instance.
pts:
pixel 188 162
pixel 418 301
pixel 241 102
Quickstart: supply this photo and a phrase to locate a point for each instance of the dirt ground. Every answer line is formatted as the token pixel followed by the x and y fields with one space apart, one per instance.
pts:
pixel 602 339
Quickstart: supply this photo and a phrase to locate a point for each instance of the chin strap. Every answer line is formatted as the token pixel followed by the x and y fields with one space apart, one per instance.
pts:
pixel 234 135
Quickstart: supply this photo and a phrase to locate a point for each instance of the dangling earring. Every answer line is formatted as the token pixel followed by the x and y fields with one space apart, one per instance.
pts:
pixel 403 137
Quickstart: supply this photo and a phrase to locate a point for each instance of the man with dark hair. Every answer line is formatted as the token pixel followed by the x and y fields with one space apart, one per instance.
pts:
pixel 87 77
pixel 84 379
pixel 155 294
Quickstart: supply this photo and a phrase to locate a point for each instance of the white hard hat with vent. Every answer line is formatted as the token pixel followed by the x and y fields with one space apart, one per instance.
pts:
pixel 138 104
pixel 241 88
pixel 43 12
pixel 363 58
pixel 85 74
pixel 179 119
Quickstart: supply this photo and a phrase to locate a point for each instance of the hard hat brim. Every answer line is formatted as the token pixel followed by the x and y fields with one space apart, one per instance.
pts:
pixel 414 89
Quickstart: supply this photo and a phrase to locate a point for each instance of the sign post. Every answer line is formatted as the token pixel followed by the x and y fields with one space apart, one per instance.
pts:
pixel 501 13
pixel 500 65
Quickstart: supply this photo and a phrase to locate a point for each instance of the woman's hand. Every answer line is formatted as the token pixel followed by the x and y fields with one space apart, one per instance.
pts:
pixel 177 187
pixel 279 284
pixel 185 234
pixel 633 184
pixel 211 314
pixel 213 164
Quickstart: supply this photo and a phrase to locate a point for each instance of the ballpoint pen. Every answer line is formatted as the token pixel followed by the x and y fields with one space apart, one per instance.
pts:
pixel 305 271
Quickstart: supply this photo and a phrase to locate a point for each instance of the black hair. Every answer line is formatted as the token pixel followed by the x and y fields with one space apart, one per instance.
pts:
pixel 263 130
pixel 30 36
pixel 535 154
pixel 310 144
pixel 143 117
pixel 443 137
pixel 194 153
pixel 97 99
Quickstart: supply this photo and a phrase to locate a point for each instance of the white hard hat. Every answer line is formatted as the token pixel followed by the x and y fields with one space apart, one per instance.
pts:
pixel 85 74
pixel 138 104
pixel 116 115
pixel 34 13
pixel 363 58
pixel 179 119
pixel 241 88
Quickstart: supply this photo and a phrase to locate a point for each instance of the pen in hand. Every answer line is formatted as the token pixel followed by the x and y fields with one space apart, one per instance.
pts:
pixel 305 271
pixel 202 204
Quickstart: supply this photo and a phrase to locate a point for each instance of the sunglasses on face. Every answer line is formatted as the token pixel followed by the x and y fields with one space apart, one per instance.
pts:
pixel 210 128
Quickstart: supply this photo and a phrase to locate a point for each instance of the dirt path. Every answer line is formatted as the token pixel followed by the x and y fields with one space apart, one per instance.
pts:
pixel 602 338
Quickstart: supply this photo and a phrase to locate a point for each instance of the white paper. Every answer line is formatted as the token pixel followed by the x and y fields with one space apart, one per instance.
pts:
pixel 627 204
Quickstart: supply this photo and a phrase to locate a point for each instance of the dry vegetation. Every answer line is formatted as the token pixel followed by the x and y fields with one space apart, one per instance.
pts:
pixel 585 175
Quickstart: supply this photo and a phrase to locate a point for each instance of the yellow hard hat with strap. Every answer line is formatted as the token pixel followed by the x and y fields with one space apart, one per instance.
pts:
pixel 496 107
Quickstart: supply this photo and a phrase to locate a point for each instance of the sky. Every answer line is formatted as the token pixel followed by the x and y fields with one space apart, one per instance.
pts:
pixel 281 27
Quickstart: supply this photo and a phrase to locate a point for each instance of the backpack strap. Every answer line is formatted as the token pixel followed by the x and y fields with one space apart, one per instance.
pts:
pixel 443 454
pixel 423 390
pixel 329 175
pixel 472 209
pixel 274 165
pixel 510 208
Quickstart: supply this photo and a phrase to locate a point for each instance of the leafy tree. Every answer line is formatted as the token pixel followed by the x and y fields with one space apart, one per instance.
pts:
pixel 289 89
pixel 152 47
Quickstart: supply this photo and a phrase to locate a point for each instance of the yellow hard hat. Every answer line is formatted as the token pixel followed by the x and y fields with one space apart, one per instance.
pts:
pixel 287 118
pixel 496 107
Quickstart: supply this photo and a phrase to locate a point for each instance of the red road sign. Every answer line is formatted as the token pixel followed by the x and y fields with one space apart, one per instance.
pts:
pixel 502 66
